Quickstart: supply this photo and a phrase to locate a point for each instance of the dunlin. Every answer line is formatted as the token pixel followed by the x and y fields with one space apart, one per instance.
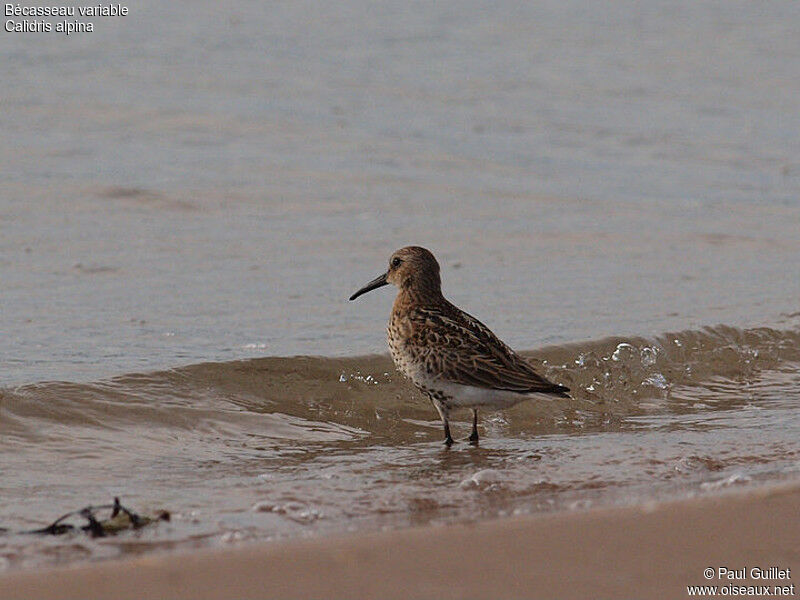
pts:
pixel 449 355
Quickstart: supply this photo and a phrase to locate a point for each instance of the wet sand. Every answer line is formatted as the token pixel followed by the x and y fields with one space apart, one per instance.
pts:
pixel 649 551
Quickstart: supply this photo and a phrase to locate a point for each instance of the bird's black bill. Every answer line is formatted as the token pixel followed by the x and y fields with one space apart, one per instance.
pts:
pixel 379 281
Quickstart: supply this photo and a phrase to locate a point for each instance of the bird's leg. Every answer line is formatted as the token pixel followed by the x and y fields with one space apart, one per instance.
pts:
pixel 443 414
pixel 448 439
pixel 473 437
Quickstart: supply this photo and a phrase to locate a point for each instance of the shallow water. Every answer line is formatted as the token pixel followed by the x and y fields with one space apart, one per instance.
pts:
pixel 195 183
pixel 280 447
pixel 187 190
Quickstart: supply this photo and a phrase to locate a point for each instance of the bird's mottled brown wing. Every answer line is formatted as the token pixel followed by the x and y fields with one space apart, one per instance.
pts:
pixel 467 352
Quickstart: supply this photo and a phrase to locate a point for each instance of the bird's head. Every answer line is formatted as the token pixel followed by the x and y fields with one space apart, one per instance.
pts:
pixel 410 268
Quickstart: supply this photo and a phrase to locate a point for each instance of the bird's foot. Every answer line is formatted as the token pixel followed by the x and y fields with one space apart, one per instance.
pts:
pixel 473 438
pixel 448 441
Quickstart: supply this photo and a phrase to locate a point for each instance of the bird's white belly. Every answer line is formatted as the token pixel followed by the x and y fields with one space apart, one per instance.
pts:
pixel 456 395
pixel 468 396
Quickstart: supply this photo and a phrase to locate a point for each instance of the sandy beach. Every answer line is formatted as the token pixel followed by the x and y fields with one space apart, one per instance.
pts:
pixel 650 551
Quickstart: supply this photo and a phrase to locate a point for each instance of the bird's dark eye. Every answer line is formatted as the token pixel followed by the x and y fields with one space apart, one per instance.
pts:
pixel 396 262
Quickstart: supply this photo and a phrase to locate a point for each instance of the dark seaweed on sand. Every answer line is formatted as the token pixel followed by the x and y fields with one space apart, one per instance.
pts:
pixel 121 519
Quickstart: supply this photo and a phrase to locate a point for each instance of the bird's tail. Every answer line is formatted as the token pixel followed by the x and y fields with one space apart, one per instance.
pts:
pixel 559 391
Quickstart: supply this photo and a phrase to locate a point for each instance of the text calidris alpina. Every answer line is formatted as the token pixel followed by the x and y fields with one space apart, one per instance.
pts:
pixel 450 356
